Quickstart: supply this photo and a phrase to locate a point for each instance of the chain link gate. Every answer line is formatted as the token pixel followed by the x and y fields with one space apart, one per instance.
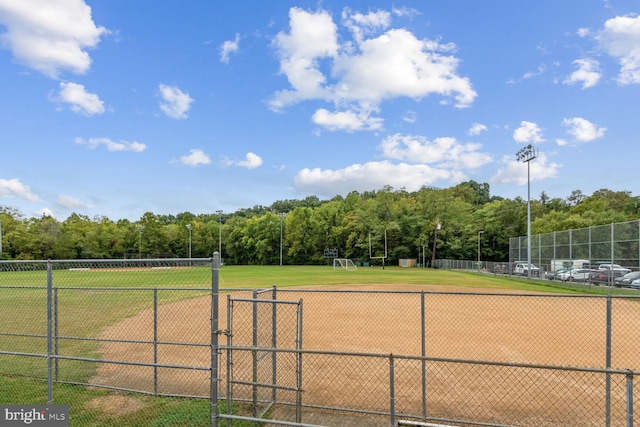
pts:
pixel 257 373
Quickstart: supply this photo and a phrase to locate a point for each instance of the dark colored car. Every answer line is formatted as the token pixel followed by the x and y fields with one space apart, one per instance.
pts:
pixel 604 277
pixel 626 279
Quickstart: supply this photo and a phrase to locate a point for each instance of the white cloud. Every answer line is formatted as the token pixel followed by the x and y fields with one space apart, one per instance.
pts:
pixel 14 188
pixel 79 100
pixel 515 172
pixel 446 152
pixel 420 162
pixel 405 11
pixel 588 73
pixel 50 35
pixel 311 38
pixel 251 161
pixel 229 47
pixel 583 32
pixel 44 212
pixel 371 176
pixel 69 202
pixel 528 132
pixel 346 120
pixel 410 117
pixel 176 103
pixel 196 157
pixel 620 38
pixel 539 71
pixel 111 145
pixel 583 130
pixel 477 129
pixel 398 64
pixel 358 75
pixel 362 25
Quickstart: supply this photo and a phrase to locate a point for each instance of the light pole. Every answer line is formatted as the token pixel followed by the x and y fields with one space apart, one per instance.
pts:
pixel 527 154
pixel 140 228
pixel 189 228
pixel 433 252
pixel 219 212
pixel 479 233
pixel 282 215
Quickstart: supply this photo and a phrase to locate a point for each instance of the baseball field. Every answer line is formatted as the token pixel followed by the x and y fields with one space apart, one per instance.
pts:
pixel 468 316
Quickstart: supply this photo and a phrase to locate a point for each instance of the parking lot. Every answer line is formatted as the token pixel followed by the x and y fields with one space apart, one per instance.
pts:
pixel 595 273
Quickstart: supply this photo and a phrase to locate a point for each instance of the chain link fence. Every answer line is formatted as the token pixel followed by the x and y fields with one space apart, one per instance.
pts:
pixel 100 335
pixel 616 243
pixel 136 343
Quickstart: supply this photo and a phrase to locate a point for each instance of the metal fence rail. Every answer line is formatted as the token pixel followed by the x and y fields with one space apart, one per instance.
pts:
pixel 378 389
pixel 85 332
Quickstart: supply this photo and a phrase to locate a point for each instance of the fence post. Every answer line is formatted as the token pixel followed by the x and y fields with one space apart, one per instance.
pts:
pixel 630 399
pixel 229 357
pixel 299 367
pixel 423 339
pixel 607 418
pixel 392 392
pixel 254 354
pixel 155 341
pixel 49 332
pixel 274 343
pixel 215 287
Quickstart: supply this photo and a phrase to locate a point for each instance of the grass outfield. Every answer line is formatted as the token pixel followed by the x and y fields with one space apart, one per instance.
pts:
pixel 287 276
pixel 258 277
pixel 85 312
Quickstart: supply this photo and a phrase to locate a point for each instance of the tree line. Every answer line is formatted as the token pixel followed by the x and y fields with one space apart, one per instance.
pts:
pixel 297 232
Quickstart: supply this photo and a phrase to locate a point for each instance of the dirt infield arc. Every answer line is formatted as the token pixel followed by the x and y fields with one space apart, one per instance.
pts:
pixel 460 326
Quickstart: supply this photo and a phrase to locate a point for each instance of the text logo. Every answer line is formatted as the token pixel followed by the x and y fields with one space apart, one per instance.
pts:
pixel 34 415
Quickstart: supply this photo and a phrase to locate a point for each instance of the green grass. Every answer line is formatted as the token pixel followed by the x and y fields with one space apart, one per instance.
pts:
pixel 89 301
pixel 289 276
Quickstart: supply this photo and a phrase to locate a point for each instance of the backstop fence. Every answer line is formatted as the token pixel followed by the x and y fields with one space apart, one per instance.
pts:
pixel 140 342
pixel 616 243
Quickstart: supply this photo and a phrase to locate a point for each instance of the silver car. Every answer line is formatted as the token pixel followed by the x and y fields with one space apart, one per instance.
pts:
pixel 577 275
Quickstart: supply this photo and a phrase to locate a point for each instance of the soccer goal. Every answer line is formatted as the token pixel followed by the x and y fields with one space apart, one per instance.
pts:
pixel 344 263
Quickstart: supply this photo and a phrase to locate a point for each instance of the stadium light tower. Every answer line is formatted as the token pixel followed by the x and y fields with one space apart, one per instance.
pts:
pixel 525 155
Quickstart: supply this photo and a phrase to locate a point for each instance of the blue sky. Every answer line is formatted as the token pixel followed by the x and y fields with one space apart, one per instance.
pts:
pixel 118 108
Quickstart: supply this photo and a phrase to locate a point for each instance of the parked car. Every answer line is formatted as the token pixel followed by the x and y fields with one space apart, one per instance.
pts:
pixel 577 275
pixel 603 277
pixel 635 284
pixel 627 279
pixel 553 275
pixel 522 269
pixel 615 267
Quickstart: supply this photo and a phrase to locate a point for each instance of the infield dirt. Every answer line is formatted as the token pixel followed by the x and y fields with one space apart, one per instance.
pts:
pixel 469 324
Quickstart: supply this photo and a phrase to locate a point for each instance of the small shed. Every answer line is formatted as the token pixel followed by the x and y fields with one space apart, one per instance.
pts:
pixel 408 262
